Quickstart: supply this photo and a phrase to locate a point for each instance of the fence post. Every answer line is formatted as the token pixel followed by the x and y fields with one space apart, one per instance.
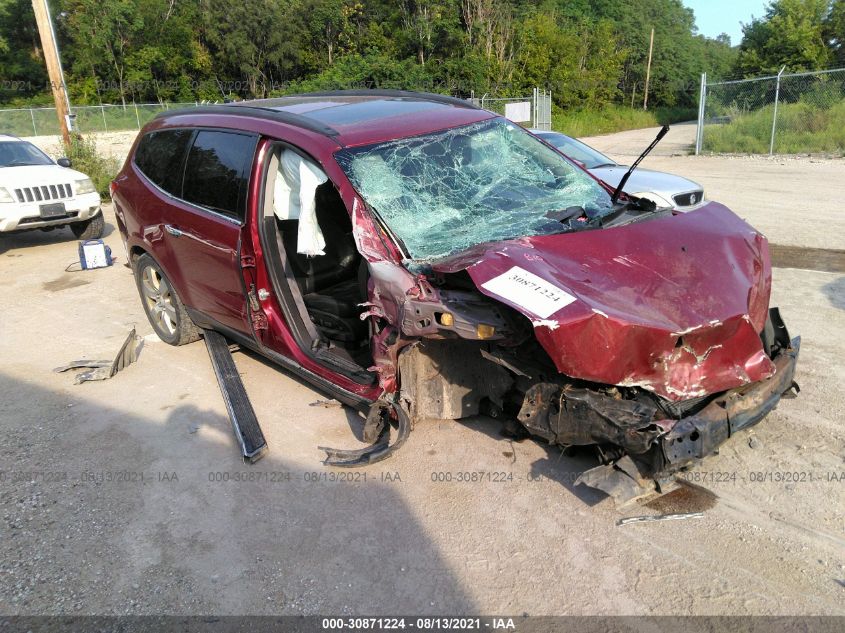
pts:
pixel 702 94
pixel 32 116
pixel 105 125
pixel 775 116
pixel 137 118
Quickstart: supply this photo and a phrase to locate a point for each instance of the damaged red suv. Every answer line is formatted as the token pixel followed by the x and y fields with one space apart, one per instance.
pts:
pixel 417 257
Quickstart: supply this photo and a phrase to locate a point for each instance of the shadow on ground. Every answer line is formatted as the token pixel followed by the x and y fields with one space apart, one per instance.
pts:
pixel 143 517
pixel 835 292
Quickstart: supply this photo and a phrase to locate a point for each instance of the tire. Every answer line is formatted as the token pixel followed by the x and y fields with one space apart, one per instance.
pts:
pixel 163 307
pixel 91 229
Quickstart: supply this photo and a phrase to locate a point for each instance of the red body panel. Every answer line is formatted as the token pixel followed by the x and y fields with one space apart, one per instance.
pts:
pixel 674 305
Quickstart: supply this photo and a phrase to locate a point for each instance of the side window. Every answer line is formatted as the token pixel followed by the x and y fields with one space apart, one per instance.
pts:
pixel 217 171
pixel 160 155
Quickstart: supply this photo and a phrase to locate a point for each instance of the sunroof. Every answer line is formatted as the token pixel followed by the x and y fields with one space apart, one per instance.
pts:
pixel 367 110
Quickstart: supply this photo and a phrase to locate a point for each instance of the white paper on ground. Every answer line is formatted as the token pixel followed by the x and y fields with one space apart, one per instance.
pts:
pixel 529 291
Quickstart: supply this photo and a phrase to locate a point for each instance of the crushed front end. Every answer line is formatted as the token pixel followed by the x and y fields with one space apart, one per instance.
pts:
pixel 642 439
pixel 653 343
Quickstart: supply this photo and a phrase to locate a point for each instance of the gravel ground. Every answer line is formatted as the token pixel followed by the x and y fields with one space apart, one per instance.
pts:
pixel 124 496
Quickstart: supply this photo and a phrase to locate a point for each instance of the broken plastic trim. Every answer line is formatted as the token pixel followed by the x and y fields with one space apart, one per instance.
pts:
pixel 697 436
pixel 380 449
pixel 105 369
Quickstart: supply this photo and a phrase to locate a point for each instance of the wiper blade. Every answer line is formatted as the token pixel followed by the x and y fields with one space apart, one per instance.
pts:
pixel 628 173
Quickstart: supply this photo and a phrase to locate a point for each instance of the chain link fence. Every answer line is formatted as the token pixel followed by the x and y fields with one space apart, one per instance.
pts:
pixel 787 113
pixel 86 119
pixel 534 110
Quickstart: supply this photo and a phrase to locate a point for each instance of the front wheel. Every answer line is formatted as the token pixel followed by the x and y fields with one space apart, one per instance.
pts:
pixel 91 229
pixel 164 309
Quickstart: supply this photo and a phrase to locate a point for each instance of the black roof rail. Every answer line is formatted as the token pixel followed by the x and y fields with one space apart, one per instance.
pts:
pixel 410 94
pixel 258 112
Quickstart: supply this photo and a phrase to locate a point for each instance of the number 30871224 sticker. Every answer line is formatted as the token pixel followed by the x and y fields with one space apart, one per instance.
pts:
pixel 529 291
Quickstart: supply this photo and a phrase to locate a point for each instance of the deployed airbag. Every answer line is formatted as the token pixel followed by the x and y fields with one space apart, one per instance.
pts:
pixel 293 199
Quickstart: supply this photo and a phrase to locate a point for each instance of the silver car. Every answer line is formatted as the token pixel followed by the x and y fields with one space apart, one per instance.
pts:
pixel 665 190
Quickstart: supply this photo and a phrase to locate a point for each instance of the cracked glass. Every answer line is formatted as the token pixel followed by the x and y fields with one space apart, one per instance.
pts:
pixel 444 192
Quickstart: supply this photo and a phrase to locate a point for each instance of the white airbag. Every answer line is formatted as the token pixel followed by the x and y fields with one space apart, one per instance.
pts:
pixel 293 199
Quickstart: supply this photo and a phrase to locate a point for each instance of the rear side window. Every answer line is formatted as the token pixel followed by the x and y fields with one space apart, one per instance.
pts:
pixel 217 171
pixel 160 156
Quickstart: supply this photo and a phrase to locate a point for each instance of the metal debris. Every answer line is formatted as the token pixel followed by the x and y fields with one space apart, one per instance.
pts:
pixel 326 404
pixel 661 517
pixel 105 369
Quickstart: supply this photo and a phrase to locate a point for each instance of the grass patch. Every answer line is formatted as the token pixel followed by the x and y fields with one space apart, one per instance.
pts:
pixel 802 128
pixel 101 169
pixel 616 119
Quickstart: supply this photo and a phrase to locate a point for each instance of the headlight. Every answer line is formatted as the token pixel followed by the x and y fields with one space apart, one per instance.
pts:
pixel 660 201
pixel 84 186
pixel 5 195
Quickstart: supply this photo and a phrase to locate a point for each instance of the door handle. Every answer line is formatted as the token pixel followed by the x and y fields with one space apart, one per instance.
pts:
pixel 172 230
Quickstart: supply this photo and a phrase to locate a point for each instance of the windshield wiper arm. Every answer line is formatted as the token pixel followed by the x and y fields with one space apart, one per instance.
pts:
pixel 628 173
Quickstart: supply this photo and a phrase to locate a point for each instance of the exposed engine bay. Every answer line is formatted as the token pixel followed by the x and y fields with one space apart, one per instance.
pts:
pixel 651 348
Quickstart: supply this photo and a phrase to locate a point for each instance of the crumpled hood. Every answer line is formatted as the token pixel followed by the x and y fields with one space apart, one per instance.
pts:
pixel 674 305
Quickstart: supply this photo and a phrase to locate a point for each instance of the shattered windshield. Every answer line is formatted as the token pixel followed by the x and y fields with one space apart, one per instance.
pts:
pixel 442 193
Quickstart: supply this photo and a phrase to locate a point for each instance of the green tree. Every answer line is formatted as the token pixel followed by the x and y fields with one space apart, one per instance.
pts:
pixel 253 45
pixel 103 35
pixel 791 34
pixel 22 71
pixel 834 31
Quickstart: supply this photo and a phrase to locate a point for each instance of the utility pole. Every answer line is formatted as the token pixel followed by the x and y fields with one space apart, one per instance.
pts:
pixel 648 70
pixel 54 65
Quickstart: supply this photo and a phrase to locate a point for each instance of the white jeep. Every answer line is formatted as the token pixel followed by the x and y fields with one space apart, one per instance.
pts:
pixel 37 193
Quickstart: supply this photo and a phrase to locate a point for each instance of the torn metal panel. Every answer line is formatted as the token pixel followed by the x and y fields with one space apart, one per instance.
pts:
pixel 699 435
pixel 449 380
pixel 674 305
pixel 105 369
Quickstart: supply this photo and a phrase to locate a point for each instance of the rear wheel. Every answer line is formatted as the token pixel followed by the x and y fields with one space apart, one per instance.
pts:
pixel 91 229
pixel 164 309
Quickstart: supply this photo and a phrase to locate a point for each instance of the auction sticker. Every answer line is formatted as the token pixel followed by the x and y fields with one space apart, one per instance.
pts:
pixel 529 291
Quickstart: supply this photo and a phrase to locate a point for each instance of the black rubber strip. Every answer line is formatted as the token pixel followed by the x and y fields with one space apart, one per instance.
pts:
pixel 244 422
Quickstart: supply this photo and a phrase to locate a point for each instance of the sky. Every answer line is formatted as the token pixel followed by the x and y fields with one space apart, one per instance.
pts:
pixel 714 17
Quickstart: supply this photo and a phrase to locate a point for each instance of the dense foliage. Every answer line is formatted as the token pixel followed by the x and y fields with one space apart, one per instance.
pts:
pixel 590 53
pixel 798 34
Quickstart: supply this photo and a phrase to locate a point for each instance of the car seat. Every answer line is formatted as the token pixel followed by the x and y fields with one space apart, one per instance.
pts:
pixel 333 284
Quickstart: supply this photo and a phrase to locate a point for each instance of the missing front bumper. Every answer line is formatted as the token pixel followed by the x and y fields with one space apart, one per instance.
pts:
pixel 636 476
pixel 700 435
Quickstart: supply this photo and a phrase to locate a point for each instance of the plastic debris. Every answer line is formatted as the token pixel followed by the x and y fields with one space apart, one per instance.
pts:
pixel 105 369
